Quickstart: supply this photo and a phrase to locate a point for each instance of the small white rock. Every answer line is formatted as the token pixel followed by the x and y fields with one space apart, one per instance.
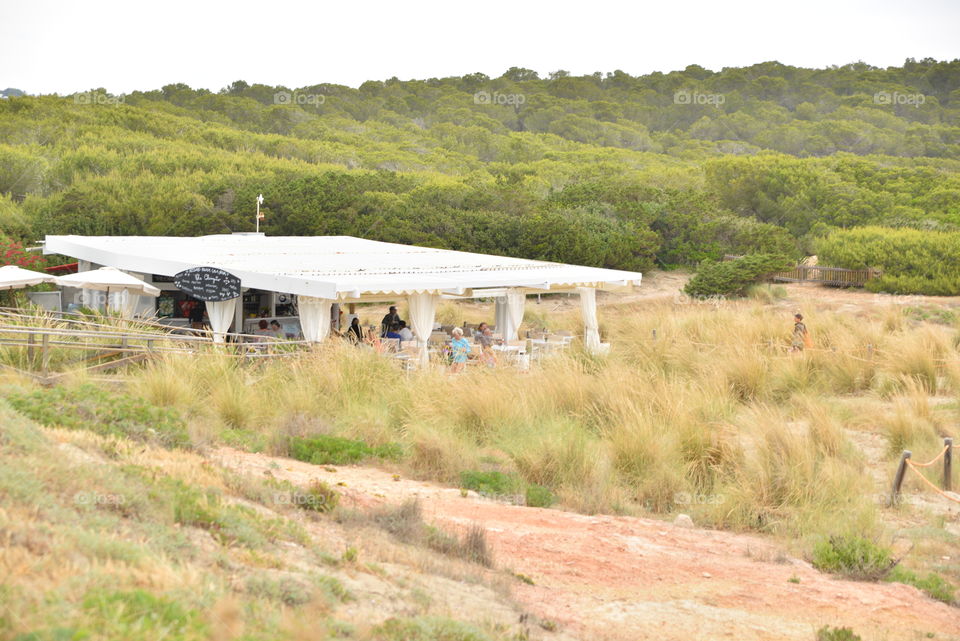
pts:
pixel 683 520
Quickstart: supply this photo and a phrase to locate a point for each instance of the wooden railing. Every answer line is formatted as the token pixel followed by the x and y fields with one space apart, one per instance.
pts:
pixel 835 276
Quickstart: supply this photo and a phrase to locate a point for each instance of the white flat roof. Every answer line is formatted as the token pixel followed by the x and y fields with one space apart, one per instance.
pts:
pixel 335 267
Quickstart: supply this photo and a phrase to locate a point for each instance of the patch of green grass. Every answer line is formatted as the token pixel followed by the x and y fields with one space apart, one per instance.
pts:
pixel 285 589
pixel 137 614
pixel 429 629
pixel 853 557
pixel 244 439
pixel 490 483
pixel 88 407
pixel 933 584
pixel 325 449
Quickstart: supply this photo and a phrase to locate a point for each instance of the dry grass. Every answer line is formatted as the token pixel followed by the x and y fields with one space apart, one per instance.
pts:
pixel 695 401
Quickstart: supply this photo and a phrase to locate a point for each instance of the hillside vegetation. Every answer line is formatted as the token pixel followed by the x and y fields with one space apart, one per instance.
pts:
pixel 607 169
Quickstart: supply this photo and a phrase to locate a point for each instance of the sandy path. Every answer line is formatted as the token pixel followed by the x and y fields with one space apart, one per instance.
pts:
pixel 605 577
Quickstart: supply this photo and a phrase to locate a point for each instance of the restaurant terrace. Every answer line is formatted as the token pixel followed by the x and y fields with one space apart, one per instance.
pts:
pixel 303 281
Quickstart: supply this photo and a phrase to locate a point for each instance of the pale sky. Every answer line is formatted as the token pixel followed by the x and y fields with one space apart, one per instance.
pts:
pixel 50 46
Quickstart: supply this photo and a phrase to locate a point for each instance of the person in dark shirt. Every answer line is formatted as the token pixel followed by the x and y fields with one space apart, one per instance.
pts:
pixel 389 320
pixel 196 314
pixel 355 331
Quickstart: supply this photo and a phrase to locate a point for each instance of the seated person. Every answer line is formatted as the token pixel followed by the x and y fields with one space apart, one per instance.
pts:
pixel 355 332
pixel 276 329
pixel 405 333
pixel 394 332
pixel 486 345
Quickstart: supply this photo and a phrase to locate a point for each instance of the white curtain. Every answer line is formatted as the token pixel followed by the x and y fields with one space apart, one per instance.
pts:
pixel 221 314
pixel 423 310
pixel 124 302
pixel 591 327
pixel 500 313
pixel 314 317
pixel 515 301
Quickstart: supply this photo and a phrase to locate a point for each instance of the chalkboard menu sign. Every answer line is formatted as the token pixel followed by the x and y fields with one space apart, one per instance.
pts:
pixel 208 283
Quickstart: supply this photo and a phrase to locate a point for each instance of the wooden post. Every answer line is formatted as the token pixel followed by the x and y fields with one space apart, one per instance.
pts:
pixel 947 464
pixel 898 479
pixel 30 350
pixel 45 353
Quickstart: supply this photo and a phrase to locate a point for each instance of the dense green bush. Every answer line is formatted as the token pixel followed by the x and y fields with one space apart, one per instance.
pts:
pixel 912 261
pixel 93 408
pixel 607 170
pixel 853 557
pixel 733 277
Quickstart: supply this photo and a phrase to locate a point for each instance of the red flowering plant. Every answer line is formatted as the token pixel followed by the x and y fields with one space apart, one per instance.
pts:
pixel 13 253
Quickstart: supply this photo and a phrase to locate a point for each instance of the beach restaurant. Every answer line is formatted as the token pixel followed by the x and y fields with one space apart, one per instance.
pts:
pixel 303 281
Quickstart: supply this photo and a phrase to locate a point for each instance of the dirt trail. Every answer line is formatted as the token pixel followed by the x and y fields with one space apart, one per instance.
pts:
pixel 606 577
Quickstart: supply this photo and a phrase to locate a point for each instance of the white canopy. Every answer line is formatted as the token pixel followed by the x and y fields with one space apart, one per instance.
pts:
pixel 337 268
pixel 110 280
pixel 13 277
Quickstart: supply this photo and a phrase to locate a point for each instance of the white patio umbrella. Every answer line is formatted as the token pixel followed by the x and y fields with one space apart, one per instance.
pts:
pixel 122 285
pixel 13 277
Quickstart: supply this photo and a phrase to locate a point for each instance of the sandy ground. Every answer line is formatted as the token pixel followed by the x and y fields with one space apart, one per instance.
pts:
pixel 606 577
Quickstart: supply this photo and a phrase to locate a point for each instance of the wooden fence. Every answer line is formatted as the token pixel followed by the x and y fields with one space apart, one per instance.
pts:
pixel 44 346
pixel 834 276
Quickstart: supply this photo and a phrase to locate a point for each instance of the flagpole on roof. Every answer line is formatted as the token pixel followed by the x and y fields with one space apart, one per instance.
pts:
pixel 259 215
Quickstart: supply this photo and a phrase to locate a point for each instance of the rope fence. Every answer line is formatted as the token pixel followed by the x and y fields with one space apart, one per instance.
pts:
pixel 906 461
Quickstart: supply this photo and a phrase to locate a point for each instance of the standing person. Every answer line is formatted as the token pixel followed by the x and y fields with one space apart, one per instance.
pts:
pixel 196 314
pixel 801 336
pixel 460 349
pixel 389 320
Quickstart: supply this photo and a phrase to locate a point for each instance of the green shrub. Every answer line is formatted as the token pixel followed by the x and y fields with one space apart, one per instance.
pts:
pixel 933 584
pixel 913 261
pixel 826 633
pixel 733 277
pixel 93 408
pixel 490 483
pixel 336 450
pixel 853 557
pixel 319 497
pixel 539 496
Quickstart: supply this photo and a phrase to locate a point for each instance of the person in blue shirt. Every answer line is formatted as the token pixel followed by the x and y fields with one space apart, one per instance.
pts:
pixel 460 348
pixel 394 332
